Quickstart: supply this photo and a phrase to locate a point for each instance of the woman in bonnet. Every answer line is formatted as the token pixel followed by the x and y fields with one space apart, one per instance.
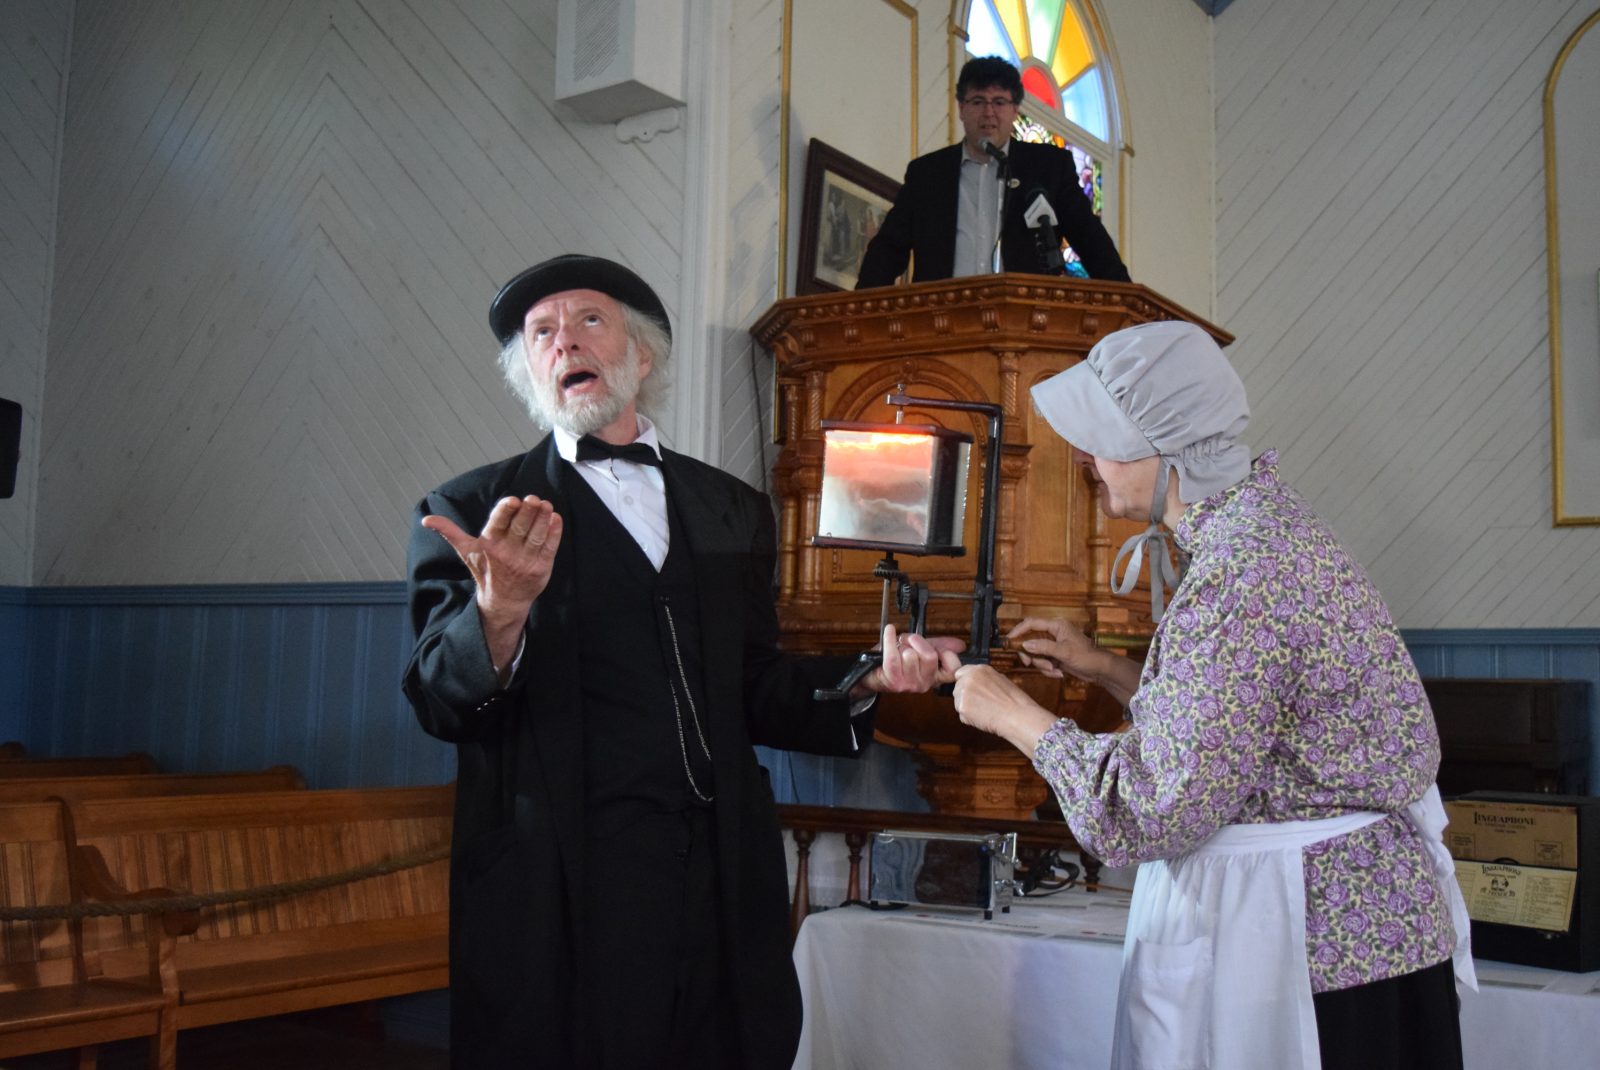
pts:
pixel 1296 906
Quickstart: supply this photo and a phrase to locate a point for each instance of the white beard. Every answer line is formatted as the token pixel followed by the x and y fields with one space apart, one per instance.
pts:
pixel 586 415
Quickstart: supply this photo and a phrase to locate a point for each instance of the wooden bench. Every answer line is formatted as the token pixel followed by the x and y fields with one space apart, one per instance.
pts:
pixel 49 999
pixel 382 936
pixel 134 785
pixel 137 762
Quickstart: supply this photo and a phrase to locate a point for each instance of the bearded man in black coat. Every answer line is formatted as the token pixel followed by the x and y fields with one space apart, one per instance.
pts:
pixel 595 632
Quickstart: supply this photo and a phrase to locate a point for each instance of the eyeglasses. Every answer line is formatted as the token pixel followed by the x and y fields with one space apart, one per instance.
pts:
pixel 997 103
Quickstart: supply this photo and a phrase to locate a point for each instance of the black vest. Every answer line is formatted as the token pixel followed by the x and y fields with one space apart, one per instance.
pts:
pixel 639 646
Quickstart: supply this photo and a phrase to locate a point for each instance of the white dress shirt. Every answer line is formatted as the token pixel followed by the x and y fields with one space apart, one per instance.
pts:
pixel 636 494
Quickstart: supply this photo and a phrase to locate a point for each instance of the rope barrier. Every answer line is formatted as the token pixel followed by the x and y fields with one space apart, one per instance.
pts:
pixel 200 901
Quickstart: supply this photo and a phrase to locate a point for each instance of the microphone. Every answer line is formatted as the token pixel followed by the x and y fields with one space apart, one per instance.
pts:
pixel 992 149
pixel 1041 219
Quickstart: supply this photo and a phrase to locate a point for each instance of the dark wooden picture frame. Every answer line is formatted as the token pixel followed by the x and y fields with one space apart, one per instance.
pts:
pixel 844 203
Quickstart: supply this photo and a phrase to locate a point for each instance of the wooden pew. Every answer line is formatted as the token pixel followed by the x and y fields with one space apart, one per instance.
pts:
pixel 133 785
pixel 137 762
pixel 79 984
pixel 50 995
pixel 49 998
pixel 378 937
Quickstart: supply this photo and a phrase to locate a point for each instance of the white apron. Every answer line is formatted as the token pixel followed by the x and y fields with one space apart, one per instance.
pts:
pixel 1214 971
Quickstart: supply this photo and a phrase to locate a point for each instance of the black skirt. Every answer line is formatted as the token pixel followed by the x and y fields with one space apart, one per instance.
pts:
pixel 1410 1022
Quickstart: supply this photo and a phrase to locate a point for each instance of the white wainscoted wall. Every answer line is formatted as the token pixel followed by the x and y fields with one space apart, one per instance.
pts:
pixel 752 159
pixel 1381 256
pixel 280 227
pixel 1163 51
pixel 33 83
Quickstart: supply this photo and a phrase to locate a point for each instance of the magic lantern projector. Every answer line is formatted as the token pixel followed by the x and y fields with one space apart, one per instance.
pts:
pixel 902 488
pixel 895 487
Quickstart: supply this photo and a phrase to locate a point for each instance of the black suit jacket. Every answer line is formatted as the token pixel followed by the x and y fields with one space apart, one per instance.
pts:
pixel 923 218
pixel 517 869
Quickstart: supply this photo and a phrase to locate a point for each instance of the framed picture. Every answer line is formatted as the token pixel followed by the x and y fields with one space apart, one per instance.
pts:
pixel 845 202
pixel 1572 250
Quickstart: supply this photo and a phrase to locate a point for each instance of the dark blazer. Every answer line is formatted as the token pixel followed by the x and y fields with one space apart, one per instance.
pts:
pixel 517 869
pixel 923 218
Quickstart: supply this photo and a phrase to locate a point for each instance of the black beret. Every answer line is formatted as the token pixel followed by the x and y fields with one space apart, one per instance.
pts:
pixel 573 271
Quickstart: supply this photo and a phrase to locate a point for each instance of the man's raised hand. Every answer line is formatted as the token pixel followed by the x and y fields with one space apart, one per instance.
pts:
pixel 511 559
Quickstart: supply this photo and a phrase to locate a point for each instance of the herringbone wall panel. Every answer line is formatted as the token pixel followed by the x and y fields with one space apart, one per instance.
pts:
pixel 281 223
pixel 754 91
pixel 33 58
pixel 1381 256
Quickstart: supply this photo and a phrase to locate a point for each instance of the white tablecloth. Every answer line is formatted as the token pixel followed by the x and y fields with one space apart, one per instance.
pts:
pixel 1037 988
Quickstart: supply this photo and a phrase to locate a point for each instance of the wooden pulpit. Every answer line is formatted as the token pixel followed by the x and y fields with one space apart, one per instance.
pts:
pixel 989 339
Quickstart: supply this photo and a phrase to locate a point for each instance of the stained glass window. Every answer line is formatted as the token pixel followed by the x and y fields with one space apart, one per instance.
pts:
pixel 1064 99
pixel 1048 41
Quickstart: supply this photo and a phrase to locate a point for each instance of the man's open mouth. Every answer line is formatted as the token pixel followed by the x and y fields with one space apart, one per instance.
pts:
pixel 577 378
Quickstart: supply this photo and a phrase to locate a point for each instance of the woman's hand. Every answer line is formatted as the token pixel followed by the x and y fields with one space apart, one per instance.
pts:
pixel 988 701
pixel 1063 651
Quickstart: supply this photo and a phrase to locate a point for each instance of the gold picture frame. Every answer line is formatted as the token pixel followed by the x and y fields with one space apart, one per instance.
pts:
pixel 1560 430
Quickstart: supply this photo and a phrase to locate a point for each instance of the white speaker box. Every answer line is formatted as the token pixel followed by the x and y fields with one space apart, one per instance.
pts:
pixel 616 58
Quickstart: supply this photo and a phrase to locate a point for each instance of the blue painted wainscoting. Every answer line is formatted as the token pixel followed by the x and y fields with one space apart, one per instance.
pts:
pixel 238 677
pixel 13 659
pixel 221 678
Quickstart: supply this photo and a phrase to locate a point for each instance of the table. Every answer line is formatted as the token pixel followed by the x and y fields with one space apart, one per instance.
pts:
pixel 1037 988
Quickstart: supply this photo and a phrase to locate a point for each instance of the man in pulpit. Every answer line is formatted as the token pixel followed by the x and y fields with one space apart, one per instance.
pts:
pixel 595 632
pixel 970 208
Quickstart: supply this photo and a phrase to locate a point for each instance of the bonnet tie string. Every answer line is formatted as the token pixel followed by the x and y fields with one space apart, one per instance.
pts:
pixel 1163 573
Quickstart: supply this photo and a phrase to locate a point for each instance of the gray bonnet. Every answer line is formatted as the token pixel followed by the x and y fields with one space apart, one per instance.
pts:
pixel 1156 390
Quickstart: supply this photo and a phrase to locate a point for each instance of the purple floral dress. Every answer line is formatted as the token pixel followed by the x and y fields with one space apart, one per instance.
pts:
pixel 1277 689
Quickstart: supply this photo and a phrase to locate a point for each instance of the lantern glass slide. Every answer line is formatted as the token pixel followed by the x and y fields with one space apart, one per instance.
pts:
pixel 895 487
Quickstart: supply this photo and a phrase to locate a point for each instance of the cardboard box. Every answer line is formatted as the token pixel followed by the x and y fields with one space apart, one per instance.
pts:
pixel 1528 834
pixel 1529 868
pixel 1518 895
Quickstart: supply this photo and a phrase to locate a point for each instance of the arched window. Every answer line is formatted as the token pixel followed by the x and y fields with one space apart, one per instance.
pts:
pixel 1064 81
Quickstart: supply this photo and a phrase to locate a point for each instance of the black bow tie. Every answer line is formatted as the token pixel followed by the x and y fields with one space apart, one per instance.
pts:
pixel 594 449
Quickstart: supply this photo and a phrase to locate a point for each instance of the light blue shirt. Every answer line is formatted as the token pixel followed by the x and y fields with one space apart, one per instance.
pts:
pixel 977 215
